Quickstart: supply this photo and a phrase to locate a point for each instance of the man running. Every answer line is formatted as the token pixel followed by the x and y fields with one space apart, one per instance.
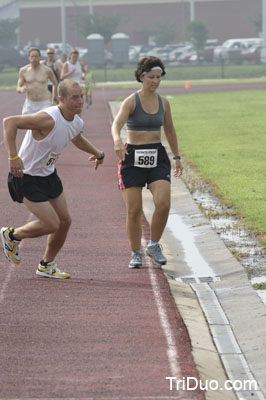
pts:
pixel 33 80
pixel 73 69
pixel 55 66
pixel 33 178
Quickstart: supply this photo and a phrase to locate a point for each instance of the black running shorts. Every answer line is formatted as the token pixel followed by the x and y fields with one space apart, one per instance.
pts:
pixel 129 175
pixel 35 188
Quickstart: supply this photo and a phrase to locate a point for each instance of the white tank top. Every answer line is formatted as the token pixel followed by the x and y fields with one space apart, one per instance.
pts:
pixel 76 75
pixel 39 156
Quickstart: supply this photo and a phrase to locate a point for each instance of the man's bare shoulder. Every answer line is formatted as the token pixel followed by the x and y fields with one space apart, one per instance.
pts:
pixel 25 68
pixel 45 67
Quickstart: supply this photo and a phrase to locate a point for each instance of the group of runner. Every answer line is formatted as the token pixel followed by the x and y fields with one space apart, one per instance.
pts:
pixel 51 116
pixel 40 78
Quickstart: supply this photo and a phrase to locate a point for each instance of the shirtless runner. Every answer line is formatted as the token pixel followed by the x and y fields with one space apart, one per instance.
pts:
pixel 33 80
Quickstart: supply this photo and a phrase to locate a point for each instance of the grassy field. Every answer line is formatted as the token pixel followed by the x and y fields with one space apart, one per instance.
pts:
pixel 8 78
pixel 223 135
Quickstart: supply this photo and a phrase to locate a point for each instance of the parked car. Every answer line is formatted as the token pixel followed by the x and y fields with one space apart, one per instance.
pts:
pixel 235 46
pixel 208 51
pixel 41 47
pixel 145 50
pixel 160 52
pixel 252 54
pixel 82 51
pixel 178 50
pixel 12 58
pixel 133 53
pixel 59 47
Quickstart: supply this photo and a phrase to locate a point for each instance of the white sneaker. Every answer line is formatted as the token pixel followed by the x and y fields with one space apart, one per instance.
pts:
pixel 11 247
pixel 135 260
pixel 51 271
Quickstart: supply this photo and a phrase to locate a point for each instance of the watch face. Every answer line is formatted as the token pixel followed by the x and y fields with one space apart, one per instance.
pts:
pixel 102 156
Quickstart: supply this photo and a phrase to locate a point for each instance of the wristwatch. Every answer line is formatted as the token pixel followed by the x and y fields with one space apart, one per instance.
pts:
pixel 102 156
pixel 176 158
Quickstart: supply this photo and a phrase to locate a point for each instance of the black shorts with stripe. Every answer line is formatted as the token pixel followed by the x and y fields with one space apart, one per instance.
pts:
pixel 130 175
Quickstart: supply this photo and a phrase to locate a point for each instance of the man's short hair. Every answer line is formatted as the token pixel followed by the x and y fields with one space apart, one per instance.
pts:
pixel 65 85
pixel 34 49
pixel 74 51
pixel 50 50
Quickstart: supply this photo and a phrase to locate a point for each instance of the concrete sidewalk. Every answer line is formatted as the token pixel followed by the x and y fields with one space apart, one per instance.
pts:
pixel 225 317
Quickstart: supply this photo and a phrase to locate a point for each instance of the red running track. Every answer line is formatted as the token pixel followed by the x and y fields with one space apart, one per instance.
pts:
pixel 108 332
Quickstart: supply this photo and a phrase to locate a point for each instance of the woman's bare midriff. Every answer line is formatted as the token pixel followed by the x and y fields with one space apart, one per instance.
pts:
pixel 143 137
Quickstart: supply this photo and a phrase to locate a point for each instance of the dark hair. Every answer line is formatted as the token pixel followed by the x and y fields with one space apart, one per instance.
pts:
pixel 146 64
pixel 34 49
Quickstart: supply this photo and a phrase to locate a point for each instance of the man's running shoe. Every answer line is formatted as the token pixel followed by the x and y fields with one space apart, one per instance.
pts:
pixel 135 260
pixel 51 271
pixel 11 247
pixel 155 252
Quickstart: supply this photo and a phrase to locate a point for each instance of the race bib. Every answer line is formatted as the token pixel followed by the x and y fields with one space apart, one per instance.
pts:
pixel 51 160
pixel 146 158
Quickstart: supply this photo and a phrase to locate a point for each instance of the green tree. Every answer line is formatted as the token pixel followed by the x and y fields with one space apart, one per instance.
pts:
pixel 165 33
pixel 197 33
pixel 8 36
pixel 97 23
pixel 257 23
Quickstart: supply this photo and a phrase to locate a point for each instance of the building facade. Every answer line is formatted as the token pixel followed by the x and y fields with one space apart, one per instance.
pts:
pixel 41 20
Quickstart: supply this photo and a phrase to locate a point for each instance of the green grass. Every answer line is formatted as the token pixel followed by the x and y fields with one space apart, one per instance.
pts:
pixel 188 72
pixel 223 135
pixel 179 74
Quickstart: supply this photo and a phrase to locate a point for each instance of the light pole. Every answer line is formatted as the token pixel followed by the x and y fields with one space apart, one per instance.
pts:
pixel 63 25
pixel 263 50
pixel 264 20
pixel 192 10
pixel 91 7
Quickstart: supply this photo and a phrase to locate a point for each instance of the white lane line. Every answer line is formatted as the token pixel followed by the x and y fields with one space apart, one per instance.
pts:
pixel 6 281
pixel 172 352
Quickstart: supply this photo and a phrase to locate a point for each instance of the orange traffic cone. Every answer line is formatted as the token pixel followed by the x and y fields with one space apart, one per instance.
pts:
pixel 187 86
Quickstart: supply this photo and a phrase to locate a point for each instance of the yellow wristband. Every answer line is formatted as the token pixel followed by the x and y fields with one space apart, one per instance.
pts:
pixel 13 158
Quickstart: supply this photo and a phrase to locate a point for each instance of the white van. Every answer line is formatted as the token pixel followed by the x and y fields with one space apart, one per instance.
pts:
pixel 59 47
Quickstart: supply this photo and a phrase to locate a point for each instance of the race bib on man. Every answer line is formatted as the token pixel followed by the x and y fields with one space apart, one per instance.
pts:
pixel 146 158
pixel 51 160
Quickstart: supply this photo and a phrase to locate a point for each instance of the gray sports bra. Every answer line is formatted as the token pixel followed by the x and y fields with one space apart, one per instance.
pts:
pixel 139 120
